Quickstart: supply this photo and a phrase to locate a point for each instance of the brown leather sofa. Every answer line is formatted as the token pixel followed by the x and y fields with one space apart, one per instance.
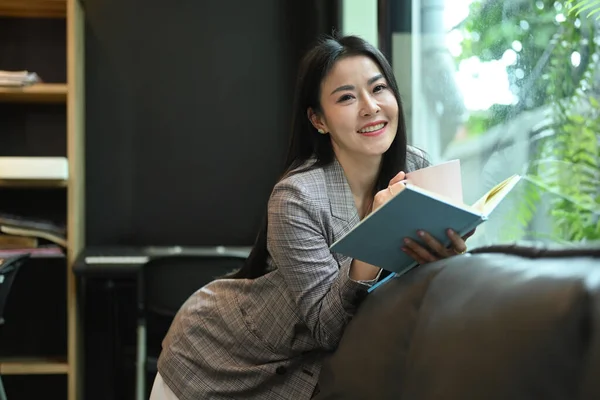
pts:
pixel 505 323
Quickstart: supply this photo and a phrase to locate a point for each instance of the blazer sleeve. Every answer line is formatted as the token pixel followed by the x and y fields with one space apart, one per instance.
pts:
pixel 325 295
pixel 416 159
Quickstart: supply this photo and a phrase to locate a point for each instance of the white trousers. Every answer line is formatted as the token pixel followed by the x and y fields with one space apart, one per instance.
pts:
pixel 160 391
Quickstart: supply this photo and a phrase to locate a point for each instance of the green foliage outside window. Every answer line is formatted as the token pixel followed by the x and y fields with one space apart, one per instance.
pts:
pixel 558 52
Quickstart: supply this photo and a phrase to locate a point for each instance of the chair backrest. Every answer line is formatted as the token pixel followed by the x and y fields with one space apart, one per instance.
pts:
pixel 165 283
pixel 8 270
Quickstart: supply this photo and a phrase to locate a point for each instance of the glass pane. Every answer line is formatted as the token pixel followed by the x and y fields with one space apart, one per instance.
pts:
pixel 512 87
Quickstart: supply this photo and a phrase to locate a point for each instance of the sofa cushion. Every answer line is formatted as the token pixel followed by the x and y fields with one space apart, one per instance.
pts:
pixel 491 325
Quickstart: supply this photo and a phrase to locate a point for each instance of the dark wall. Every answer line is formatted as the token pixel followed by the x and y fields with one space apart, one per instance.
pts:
pixel 188 114
pixel 188 111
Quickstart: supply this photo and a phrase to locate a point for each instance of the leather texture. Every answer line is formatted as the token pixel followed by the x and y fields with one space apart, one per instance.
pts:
pixel 499 323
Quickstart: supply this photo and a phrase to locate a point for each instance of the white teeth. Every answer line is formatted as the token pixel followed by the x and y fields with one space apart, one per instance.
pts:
pixel 372 128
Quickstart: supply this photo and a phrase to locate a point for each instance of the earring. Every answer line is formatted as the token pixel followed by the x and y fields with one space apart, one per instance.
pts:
pixel 321 131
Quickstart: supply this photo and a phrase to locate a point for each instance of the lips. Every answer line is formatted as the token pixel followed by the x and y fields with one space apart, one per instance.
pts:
pixel 372 127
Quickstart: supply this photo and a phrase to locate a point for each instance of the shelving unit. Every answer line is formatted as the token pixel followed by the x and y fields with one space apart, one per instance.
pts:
pixel 69 94
pixel 33 366
pixel 39 93
pixel 33 8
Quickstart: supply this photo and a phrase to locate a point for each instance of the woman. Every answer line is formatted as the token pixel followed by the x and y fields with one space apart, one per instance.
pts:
pixel 262 332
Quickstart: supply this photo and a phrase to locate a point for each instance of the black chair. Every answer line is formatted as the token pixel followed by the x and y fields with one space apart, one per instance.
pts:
pixel 8 270
pixel 164 284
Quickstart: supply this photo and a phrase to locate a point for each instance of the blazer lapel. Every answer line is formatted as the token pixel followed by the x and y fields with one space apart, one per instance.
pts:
pixel 343 209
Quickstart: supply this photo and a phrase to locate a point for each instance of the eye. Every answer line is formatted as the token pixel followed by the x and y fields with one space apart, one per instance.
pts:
pixel 345 97
pixel 379 88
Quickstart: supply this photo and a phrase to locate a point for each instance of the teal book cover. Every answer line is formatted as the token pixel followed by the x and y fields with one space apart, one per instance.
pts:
pixel 378 239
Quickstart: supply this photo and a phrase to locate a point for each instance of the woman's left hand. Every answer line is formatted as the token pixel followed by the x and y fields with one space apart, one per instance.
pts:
pixel 434 250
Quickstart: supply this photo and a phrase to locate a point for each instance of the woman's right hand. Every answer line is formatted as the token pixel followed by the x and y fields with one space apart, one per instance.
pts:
pixel 395 186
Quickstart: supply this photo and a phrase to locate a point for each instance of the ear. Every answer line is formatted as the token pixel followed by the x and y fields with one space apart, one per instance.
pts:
pixel 316 120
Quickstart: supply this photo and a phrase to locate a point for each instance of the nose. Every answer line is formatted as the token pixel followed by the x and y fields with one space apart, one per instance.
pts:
pixel 369 106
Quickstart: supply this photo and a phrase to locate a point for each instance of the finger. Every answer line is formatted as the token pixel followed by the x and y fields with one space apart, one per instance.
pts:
pixel 458 244
pixel 433 244
pixel 420 251
pixel 396 188
pixel 414 255
pixel 399 177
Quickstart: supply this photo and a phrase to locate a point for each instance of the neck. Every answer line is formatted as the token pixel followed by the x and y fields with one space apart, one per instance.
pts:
pixel 361 175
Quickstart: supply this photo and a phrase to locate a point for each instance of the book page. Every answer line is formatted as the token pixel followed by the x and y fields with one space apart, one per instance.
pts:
pixel 488 202
pixel 444 179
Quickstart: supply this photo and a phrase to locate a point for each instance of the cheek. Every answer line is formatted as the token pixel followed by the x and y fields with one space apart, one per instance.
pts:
pixel 342 121
pixel 392 107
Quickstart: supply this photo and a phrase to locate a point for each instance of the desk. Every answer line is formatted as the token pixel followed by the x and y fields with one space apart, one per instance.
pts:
pixel 107 279
pixel 115 262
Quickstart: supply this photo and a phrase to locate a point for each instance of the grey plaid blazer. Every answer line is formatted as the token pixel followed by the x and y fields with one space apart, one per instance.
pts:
pixel 265 338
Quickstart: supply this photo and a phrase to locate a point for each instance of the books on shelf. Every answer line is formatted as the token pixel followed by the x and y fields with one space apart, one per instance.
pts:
pixel 44 251
pixel 36 246
pixel 17 242
pixel 41 234
pixel 18 78
pixel 34 168
pixel 21 227
pixel 378 239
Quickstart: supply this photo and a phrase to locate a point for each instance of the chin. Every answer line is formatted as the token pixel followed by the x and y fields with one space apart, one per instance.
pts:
pixel 384 145
pixel 379 150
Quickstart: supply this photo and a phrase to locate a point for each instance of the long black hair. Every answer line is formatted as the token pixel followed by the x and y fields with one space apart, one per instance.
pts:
pixel 306 143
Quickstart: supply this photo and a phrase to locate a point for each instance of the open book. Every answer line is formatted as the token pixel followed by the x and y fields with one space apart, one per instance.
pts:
pixel 378 239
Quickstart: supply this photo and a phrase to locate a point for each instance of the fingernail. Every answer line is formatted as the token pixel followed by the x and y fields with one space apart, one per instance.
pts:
pixel 451 232
pixel 404 249
pixel 406 240
pixel 421 233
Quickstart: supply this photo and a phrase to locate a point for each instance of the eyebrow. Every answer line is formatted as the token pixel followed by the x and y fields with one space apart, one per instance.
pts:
pixel 351 87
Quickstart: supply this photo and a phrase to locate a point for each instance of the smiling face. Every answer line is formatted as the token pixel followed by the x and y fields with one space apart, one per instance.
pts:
pixel 358 109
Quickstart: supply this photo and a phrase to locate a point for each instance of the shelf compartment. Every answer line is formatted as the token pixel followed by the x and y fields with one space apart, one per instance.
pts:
pixel 38 93
pixel 33 8
pixel 33 366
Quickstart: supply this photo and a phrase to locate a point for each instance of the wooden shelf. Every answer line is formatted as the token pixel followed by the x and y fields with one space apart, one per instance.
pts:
pixel 32 183
pixel 71 96
pixel 38 93
pixel 33 8
pixel 33 366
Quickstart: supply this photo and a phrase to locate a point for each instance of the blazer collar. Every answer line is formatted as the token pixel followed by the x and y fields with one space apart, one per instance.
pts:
pixel 339 193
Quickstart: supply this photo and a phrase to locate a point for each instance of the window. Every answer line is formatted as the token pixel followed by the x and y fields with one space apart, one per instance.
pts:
pixel 508 87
